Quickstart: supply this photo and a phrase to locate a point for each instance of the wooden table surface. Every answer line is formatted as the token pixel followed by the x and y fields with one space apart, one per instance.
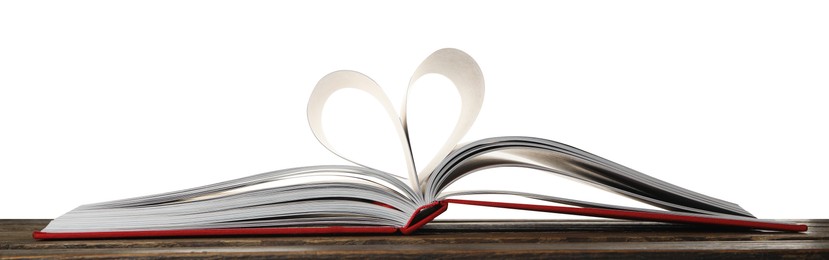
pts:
pixel 451 239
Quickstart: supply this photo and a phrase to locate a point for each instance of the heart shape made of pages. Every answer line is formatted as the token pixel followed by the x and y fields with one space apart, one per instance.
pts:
pixel 453 64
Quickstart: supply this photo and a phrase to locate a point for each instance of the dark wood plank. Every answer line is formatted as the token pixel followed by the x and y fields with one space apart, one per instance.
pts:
pixel 463 239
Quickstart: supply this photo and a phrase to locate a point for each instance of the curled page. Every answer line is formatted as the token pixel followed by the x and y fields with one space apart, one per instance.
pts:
pixel 467 77
pixel 453 64
pixel 351 79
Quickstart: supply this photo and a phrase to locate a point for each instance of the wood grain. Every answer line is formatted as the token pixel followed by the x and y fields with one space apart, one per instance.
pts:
pixel 568 239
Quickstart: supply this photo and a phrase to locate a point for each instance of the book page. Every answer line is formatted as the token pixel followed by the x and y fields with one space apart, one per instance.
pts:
pixel 571 162
pixel 454 64
pixel 317 195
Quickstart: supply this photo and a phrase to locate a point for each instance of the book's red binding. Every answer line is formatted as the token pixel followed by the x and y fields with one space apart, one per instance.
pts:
pixel 427 213
pixel 682 218
pixel 217 232
pixel 424 215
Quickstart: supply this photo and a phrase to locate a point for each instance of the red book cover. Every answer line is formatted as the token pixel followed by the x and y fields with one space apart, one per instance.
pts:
pixel 668 217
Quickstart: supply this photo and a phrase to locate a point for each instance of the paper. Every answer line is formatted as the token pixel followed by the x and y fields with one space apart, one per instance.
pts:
pixel 453 64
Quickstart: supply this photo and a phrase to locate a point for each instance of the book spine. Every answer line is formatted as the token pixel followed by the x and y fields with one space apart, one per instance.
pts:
pixel 424 215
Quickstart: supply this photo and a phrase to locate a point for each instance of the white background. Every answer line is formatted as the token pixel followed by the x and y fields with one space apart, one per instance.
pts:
pixel 103 100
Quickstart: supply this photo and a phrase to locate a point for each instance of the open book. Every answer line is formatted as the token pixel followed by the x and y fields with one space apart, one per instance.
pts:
pixel 358 199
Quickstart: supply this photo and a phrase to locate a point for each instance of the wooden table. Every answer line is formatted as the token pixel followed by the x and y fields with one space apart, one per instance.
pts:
pixel 452 239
